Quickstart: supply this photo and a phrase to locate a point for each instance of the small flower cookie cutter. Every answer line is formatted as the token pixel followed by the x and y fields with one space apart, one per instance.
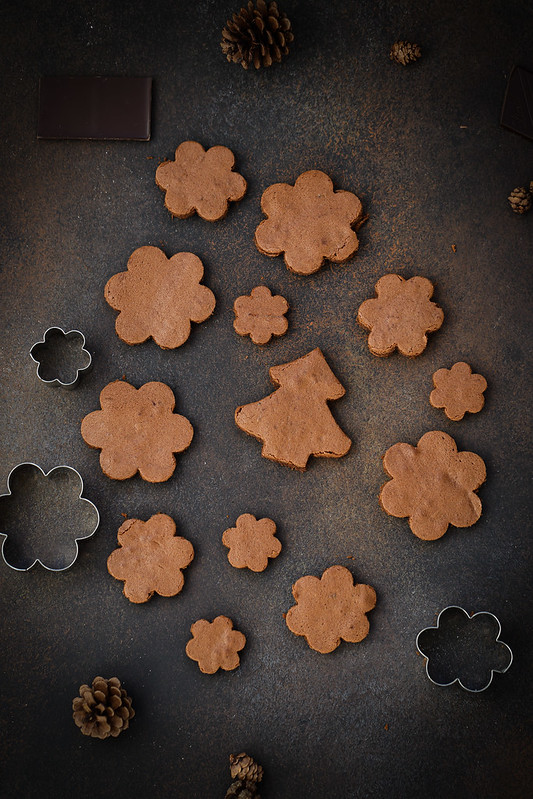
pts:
pixel 11 512
pixel 47 343
pixel 470 679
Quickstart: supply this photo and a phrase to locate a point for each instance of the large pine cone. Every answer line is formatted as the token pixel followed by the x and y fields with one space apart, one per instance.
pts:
pixel 404 52
pixel 103 709
pixel 242 790
pixel 257 35
pixel 244 767
pixel 521 199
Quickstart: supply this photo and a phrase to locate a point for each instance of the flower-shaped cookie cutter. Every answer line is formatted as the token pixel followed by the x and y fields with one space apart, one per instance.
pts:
pixel 464 648
pixel 55 354
pixel 39 501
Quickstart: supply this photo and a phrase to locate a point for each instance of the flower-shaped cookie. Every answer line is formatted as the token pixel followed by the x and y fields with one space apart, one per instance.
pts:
pixel 464 649
pixel 215 645
pixel 251 543
pixel 200 181
pixel 433 484
pixel 151 558
pixel 400 315
pixel 309 222
pixel 260 315
pixel 159 297
pixel 137 431
pixel 330 609
pixel 457 390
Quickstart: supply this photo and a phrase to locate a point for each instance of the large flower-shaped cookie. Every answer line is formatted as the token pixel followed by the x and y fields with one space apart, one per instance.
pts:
pixel 159 297
pixel 150 558
pixel 457 390
pixel 201 181
pixel 433 484
pixel 251 542
pixel 330 609
pixel 260 315
pixel 137 431
pixel 215 645
pixel 309 222
pixel 400 315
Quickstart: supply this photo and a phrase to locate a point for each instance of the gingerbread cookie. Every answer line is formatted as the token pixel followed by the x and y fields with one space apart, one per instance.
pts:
pixel 150 558
pixel 260 315
pixel 400 315
pixel 215 645
pixel 159 297
pixel 330 609
pixel 295 422
pixel 251 543
pixel 137 431
pixel 458 391
pixel 433 484
pixel 309 222
pixel 201 181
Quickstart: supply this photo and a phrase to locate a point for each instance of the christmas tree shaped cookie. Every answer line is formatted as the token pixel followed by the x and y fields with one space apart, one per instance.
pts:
pixel 295 421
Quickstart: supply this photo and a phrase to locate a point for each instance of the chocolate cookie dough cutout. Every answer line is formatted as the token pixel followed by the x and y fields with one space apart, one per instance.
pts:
pixel 309 223
pixel 458 391
pixel 251 543
pixel 400 316
pixel 260 315
pixel 215 645
pixel 433 485
pixel 137 431
pixel 295 422
pixel 159 297
pixel 330 609
pixel 200 181
pixel 150 558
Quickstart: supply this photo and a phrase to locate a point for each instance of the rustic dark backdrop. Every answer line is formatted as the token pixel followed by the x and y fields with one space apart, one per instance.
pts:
pixel 423 148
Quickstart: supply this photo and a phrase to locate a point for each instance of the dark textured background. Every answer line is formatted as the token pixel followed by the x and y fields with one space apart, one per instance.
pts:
pixel 423 149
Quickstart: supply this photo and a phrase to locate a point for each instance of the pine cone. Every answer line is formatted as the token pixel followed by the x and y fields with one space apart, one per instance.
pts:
pixel 404 52
pixel 257 35
pixel 244 767
pixel 521 199
pixel 242 790
pixel 103 709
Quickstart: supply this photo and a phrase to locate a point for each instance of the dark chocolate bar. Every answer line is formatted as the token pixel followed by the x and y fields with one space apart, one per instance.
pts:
pixel 517 111
pixel 94 108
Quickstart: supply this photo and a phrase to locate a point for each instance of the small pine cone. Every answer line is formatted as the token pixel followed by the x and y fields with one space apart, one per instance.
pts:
pixel 404 52
pixel 244 767
pixel 521 199
pixel 241 789
pixel 259 34
pixel 102 709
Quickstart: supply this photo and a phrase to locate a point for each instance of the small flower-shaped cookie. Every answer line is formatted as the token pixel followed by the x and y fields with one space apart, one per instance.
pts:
pixel 260 315
pixel 433 484
pixel 200 181
pixel 309 222
pixel 400 315
pixel 150 558
pixel 251 543
pixel 330 609
pixel 137 431
pixel 457 390
pixel 215 645
pixel 159 297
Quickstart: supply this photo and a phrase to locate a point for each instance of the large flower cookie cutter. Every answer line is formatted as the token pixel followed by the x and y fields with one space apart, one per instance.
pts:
pixel 39 512
pixel 464 648
pixel 59 356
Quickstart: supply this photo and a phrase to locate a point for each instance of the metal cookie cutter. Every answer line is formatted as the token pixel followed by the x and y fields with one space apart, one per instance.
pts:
pixel 464 649
pixel 57 356
pixel 38 515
